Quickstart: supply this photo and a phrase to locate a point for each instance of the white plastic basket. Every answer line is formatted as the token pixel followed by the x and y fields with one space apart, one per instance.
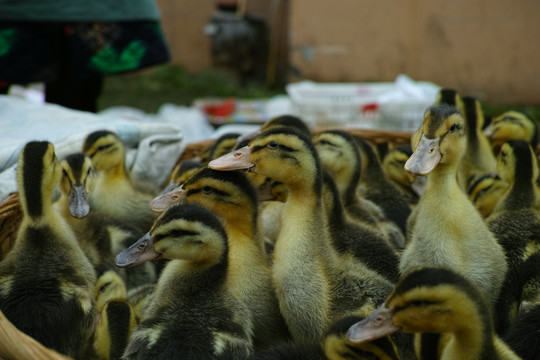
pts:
pixel 398 105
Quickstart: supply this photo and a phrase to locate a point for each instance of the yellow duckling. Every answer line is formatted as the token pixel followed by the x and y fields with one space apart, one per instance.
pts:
pixel 445 228
pixel 444 306
pixel 512 125
pixel 46 281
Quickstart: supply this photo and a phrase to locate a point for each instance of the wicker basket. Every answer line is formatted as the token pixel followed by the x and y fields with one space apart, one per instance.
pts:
pixel 17 345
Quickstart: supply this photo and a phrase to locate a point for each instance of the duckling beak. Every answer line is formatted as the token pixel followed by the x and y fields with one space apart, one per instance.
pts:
pixel 375 326
pixel 236 160
pixel 78 202
pixel 140 251
pixel 425 158
pixel 167 199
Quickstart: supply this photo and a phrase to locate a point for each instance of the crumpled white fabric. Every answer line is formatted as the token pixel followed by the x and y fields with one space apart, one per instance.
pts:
pixel 153 142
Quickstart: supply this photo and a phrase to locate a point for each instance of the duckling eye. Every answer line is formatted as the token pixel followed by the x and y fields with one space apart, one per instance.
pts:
pixel 454 128
pixel 142 245
pixel 207 190
pixel 104 287
pixel 273 145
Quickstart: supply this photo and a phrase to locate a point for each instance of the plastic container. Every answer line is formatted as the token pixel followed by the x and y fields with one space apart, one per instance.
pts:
pixel 398 105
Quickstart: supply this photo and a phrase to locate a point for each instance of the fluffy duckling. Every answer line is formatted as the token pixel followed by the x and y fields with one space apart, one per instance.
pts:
pixel 194 312
pixel 485 191
pixel 334 346
pixel 99 237
pixel 116 318
pixel 231 197
pixel 308 272
pixel 445 227
pixel 522 337
pixel 512 125
pixel 115 194
pixel 437 301
pixel 376 187
pixel 339 156
pixel 394 168
pixel 479 158
pixel 365 244
pixel 46 281
pixel 515 222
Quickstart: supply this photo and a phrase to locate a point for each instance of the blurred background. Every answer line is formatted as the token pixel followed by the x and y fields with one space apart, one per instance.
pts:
pixel 253 48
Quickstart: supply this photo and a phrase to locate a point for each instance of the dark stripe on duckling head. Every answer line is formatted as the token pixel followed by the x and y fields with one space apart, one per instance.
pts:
pixel 119 317
pixel 523 161
pixel 447 96
pixel 223 144
pixel 93 137
pixel 34 161
pixel 438 115
pixel 287 121
pixel 76 164
pixel 471 117
pixel 193 213
pixel 476 181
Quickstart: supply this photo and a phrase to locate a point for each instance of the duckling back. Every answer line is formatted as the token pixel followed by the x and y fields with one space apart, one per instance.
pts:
pixel 46 281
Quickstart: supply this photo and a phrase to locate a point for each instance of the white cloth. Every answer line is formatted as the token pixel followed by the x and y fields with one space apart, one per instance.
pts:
pixel 153 142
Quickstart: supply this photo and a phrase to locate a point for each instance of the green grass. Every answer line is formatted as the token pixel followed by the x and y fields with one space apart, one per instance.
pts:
pixel 148 90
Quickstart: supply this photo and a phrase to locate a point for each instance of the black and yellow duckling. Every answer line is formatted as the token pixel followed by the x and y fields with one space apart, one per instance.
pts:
pixel 231 197
pixel 340 156
pixel 522 336
pixel 193 314
pixel 512 125
pixel 393 165
pixel 99 236
pixel 445 229
pixel 485 191
pixel 46 281
pixel 349 237
pixel 334 346
pixel 479 158
pixel 515 222
pixel 307 270
pixel 115 194
pixel 375 186
pixel 116 318
pixel 440 304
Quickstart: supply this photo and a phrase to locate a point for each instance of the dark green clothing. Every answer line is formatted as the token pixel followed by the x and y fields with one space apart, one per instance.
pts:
pixel 78 10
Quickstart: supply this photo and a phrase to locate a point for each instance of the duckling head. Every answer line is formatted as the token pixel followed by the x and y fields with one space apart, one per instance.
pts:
pixel 183 231
pixel 485 192
pixel 516 161
pixel 429 299
pixel 440 140
pixel 38 173
pixel 77 183
pixel 512 125
pixel 105 149
pixel 109 286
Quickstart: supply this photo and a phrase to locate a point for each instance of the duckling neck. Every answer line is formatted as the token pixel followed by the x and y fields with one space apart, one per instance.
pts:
pixel 522 194
pixel 443 177
pixel 473 341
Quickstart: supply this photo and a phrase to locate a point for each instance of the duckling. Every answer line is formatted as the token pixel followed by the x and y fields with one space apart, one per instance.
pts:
pixel 231 197
pixel 115 194
pixel 376 187
pixel 452 98
pixel 334 346
pixel 512 125
pixel 308 272
pixel 479 158
pixel 194 312
pixel 46 281
pixel 485 191
pixel 437 301
pixel 394 168
pixel 365 244
pixel 339 155
pixel 116 318
pixel 99 237
pixel 515 222
pixel 445 228
pixel 522 337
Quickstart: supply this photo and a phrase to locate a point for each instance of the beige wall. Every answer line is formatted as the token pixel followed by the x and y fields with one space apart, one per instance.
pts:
pixel 487 48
